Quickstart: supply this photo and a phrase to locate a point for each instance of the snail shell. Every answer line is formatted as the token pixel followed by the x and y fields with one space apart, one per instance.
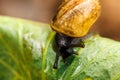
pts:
pixel 75 17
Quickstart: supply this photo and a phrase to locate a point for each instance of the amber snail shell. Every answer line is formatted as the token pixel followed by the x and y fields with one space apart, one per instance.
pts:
pixel 74 18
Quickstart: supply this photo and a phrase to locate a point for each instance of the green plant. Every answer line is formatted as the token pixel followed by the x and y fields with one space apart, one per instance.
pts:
pixel 26 54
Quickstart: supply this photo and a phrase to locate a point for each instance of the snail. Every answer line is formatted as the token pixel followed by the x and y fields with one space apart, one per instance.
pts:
pixel 72 21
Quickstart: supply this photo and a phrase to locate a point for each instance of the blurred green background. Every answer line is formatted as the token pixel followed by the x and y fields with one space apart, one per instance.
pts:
pixel 107 25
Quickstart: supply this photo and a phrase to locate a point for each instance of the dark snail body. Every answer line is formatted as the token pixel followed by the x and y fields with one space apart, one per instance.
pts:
pixel 63 46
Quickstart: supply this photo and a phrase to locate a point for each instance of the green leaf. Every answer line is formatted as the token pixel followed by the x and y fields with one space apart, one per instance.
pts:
pixel 26 54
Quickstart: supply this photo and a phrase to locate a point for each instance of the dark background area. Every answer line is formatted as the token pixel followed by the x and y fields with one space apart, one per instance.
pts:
pixel 107 25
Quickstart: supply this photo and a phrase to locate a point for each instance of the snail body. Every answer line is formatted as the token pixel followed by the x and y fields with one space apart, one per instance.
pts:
pixel 73 20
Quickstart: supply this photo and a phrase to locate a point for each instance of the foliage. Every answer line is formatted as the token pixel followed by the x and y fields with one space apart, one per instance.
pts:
pixel 26 54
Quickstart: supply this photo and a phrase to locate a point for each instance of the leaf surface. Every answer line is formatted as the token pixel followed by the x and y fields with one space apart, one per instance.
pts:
pixel 26 54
